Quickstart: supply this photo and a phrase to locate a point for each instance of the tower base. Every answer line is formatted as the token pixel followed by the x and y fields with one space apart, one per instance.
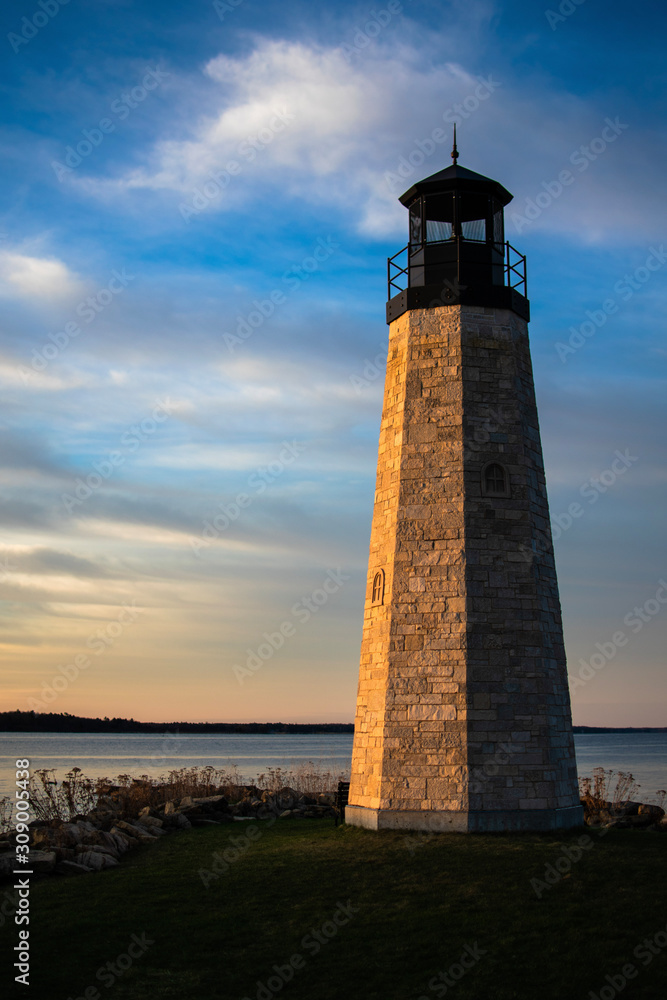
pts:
pixel 473 821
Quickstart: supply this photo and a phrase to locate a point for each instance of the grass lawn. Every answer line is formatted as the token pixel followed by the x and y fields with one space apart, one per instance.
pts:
pixel 410 915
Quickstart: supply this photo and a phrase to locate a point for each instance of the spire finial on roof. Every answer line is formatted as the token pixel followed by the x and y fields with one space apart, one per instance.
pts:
pixel 455 152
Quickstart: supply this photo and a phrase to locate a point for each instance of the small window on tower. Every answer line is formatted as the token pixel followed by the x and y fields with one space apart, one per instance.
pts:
pixel 495 481
pixel 377 596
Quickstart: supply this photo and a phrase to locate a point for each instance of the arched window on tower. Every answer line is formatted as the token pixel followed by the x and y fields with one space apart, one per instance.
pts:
pixel 495 481
pixel 377 595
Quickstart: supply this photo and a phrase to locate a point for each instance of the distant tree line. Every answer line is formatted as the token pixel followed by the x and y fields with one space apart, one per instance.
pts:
pixel 619 729
pixel 63 722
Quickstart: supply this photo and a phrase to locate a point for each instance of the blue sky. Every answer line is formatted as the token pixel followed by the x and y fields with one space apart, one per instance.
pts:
pixel 198 203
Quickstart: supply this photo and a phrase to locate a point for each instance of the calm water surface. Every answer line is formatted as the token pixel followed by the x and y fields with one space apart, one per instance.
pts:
pixel 107 755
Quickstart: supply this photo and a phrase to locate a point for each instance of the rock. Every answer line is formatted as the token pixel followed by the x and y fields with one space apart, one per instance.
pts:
pixel 102 820
pixel 286 798
pixel 72 834
pixel 150 821
pixel 45 836
pixel 169 808
pixel 655 812
pixel 246 807
pixel 86 826
pixel 109 803
pixel 111 844
pixel 286 814
pixel 132 829
pixel 97 860
pixel 110 848
pixel 42 861
pixel 221 817
pixel 205 807
pixel 172 821
pixel 139 832
pixel 94 837
pixel 131 841
pixel 640 820
pixel 268 811
pixel 211 800
pixel 72 868
pixel 627 808
pixel 180 821
pixel 145 837
pixel 122 841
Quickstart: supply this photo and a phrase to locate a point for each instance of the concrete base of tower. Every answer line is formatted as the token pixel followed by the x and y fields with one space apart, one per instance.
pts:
pixel 478 821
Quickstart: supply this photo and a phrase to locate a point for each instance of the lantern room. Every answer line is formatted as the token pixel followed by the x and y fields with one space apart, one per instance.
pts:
pixel 456 251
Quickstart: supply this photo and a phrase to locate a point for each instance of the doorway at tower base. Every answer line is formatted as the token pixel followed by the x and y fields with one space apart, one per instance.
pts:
pixel 477 821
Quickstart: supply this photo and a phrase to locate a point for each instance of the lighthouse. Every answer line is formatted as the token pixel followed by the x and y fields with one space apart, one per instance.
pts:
pixel 463 718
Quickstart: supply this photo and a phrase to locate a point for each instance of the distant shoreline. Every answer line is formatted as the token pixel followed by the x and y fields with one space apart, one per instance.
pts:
pixel 50 722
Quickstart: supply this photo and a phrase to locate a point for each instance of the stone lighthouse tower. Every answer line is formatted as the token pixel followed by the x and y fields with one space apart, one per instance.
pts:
pixel 463 713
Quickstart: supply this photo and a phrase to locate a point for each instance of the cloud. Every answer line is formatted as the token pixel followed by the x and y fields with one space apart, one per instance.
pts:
pixel 308 120
pixel 51 562
pixel 20 451
pixel 304 118
pixel 37 279
pixel 19 512
pixel 17 374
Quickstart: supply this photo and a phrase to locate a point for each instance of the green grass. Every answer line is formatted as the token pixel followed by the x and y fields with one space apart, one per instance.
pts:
pixel 416 913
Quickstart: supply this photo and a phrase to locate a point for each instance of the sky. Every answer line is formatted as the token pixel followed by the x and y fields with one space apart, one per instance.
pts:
pixel 198 201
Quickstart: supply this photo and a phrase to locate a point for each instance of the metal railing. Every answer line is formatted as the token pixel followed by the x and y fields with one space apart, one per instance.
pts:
pixel 516 269
pixel 514 264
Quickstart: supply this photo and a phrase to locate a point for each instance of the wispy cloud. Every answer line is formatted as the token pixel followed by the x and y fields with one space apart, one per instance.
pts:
pixel 41 280
pixel 303 118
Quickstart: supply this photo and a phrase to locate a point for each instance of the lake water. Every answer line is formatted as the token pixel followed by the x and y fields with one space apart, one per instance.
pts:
pixel 108 755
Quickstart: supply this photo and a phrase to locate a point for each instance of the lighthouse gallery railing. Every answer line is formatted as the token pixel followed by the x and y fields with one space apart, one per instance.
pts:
pixel 514 264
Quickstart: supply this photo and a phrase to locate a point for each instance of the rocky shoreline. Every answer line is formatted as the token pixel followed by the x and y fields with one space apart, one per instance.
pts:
pixel 98 840
pixel 625 815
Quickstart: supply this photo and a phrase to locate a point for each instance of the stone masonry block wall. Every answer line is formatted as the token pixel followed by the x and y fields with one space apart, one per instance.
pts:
pixel 519 741
pixel 463 700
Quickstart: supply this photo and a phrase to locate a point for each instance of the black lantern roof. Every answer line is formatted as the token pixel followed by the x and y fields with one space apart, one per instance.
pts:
pixel 459 178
